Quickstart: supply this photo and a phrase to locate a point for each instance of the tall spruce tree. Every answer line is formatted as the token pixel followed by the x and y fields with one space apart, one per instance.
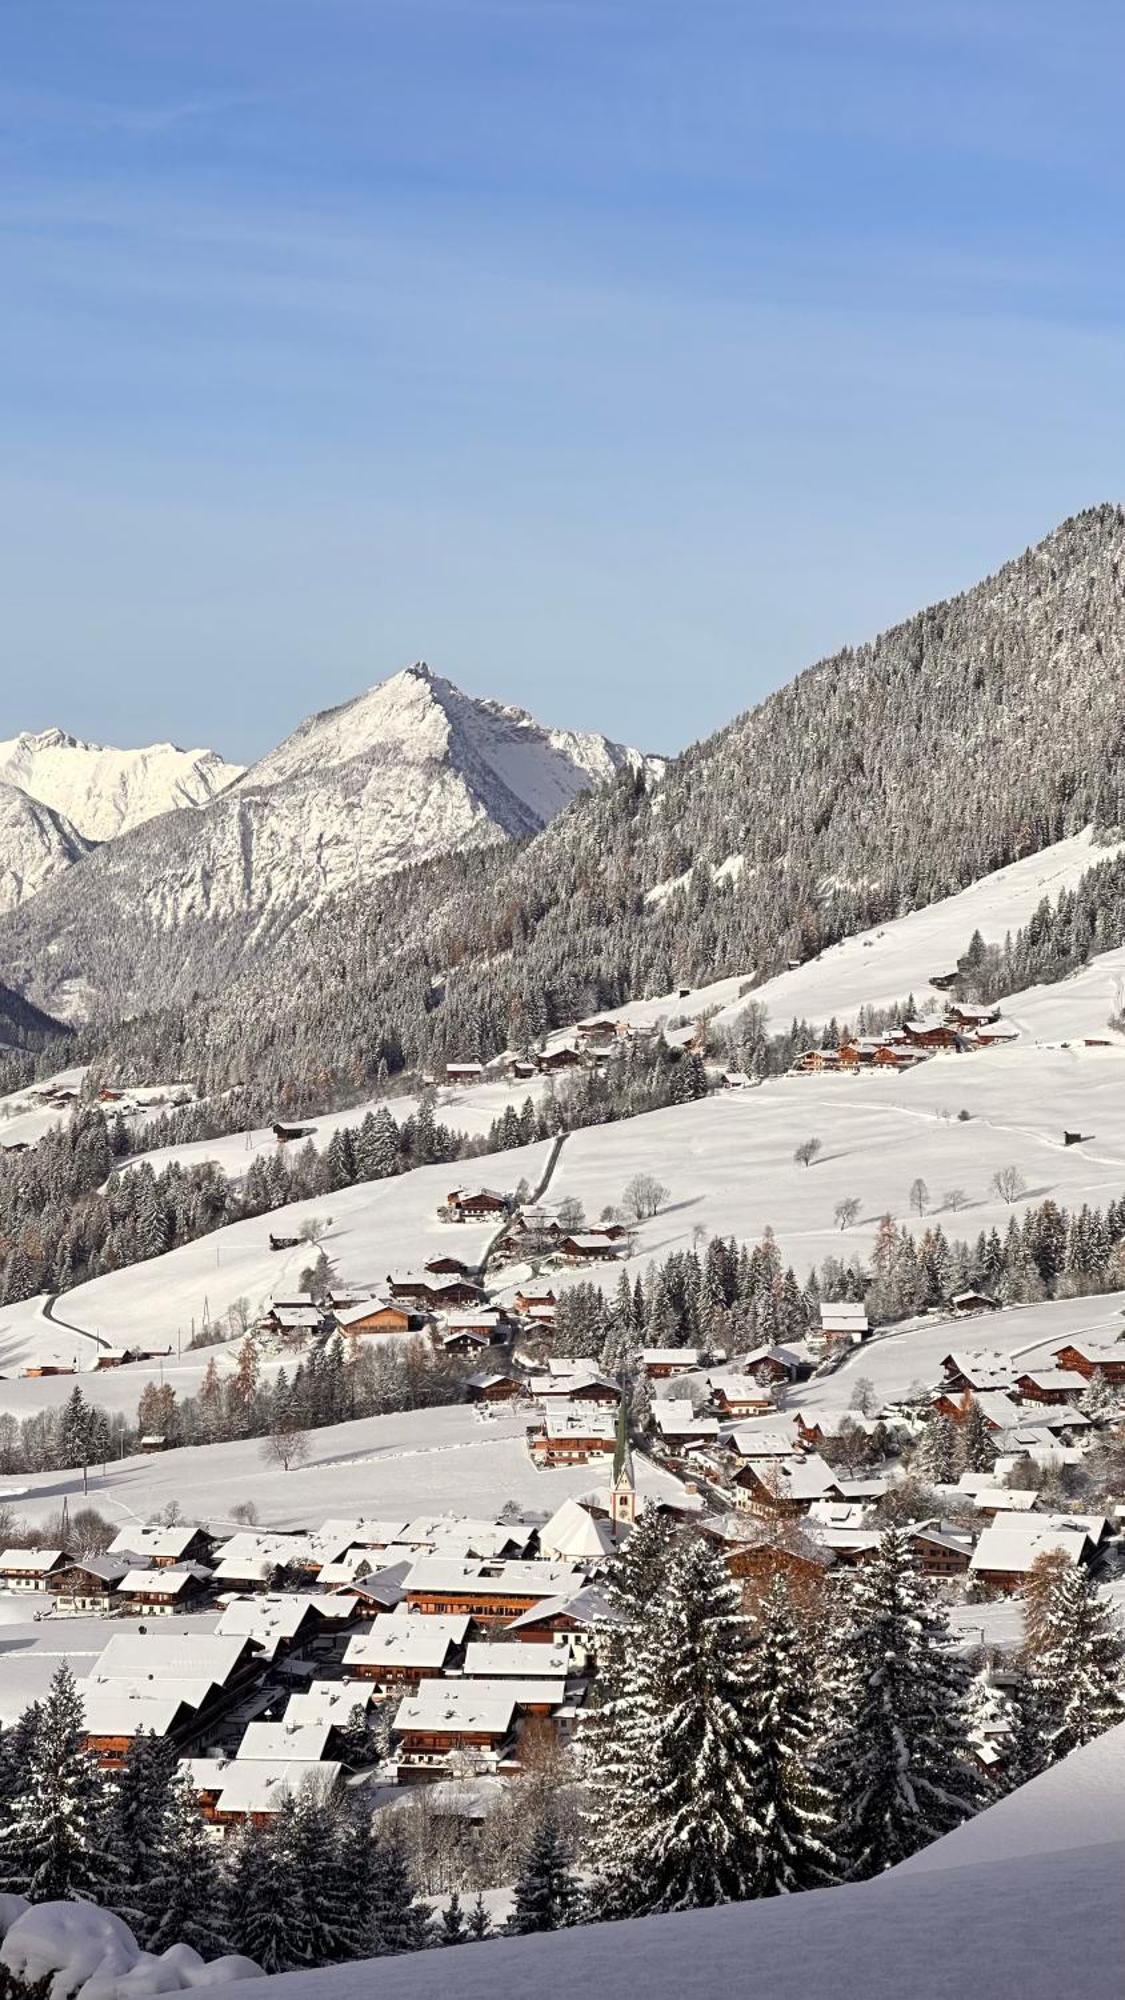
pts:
pixel 792 1809
pixel 58 1821
pixel 185 1894
pixel 899 1766
pixel 671 1820
pixel 137 1824
pixel 546 1894
pixel 1075 1671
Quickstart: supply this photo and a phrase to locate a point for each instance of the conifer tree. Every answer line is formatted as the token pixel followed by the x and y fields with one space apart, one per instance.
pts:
pixel 976 1450
pixel 185 1897
pixel 935 1459
pixel 899 1766
pixel 138 1815
pixel 546 1894
pixel 56 1823
pixel 452 1922
pixel 479 1922
pixel 792 1810
pixel 671 1818
pixel 1075 1670
pixel 398 1921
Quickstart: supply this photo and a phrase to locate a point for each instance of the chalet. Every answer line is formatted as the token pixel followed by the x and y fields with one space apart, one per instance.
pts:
pixel 600 1030
pixel 286 1622
pixel 254 1789
pixel 292 1322
pixel 932 1035
pixel 31 1569
pixel 88 1584
pixel 474 1205
pixel 1012 1544
pixel 939 1551
pixel 245 1570
pixel 1093 1357
pixel 977 1372
pixel 464 1072
pixel 961 1015
pixel 844 1322
pixel 464 1340
pixel 550 1061
pixel 291 1740
pixel 999 1411
pixel 757 1566
pixel 491 1593
pixel 286 1134
pixel 488 1322
pixel 662 1363
pixel 432 1293
pixel 178 1685
pixel 739 1396
pixel 1051 1385
pixel 973 1302
pixel 944 981
pixel 573 1616
pixel 164 1590
pixel 502 1385
pixel 594 1246
pixel 572 1437
pixel 775 1364
pixel 572 1384
pixel 448 1267
pixel 404 1649
pixel 42 1369
pixel 165 1548
pixel 763 1442
pixel 470 1721
pixel 681 1427
pixel 785 1487
pixel 536 1304
pixel 374 1316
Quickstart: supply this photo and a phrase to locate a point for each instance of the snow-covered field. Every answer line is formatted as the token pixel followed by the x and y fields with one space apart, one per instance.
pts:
pixel 420 1462
pixel 377 1228
pixel 468 1108
pixel 881 966
pixel 728 1163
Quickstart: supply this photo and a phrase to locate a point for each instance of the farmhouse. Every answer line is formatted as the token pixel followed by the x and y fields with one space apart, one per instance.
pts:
pixel 844 1322
pixel 594 1246
pixel 501 1385
pixel 662 1363
pixel 85 1585
pixel 1013 1543
pixel 254 1789
pixel 1051 1385
pixel 680 1426
pixel 472 1721
pixel 165 1548
pixel 739 1395
pixel 30 1569
pixel 977 1371
pixel 164 1590
pixel 433 1293
pixel 474 1205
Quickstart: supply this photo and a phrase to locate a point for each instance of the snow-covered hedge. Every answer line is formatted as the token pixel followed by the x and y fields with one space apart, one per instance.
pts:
pixel 74 1951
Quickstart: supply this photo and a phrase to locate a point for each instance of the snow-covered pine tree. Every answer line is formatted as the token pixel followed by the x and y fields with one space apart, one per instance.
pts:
pixel 792 1810
pixel 263 1915
pixel 935 1459
pixel 452 1928
pixel 138 1815
pixel 976 1450
pixel 670 1821
pixel 398 1920
pixel 1075 1669
pixel 546 1894
pixel 898 1764
pixel 184 1897
pixel 479 1921
pixel 59 1819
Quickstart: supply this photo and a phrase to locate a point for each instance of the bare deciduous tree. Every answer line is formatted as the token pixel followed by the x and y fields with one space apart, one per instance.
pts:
pixel 1009 1184
pixel 955 1198
pixel 808 1151
pixel 847 1212
pixel 644 1196
pixel 286 1445
pixel 919 1196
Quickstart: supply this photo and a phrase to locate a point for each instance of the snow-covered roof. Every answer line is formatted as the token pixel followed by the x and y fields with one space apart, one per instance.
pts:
pixel 327 1701
pixel 33 1562
pixel 254 1785
pixel 478 1579
pixel 500 1660
pixel 406 1640
pixel 1066 1380
pixel 572 1533
pixel 151 1540
pixel 162 1582
pixel 286 1741
pixel 458 1707
pixel 164 1656
pixel 1013 1544
pixel 677 1418
pixel 762 1441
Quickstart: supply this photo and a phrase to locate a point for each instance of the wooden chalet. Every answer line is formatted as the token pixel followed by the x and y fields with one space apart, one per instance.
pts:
pixel 939 1551
pixel 432 1293
pixel 535 1303
pixel 375 1317
pixel 447 1266
pixel 572 1437
pixel 87 1584
pixel 932 1035
pixel 164 1547
pixel 661 1364
pixel 470 1721
pixel 499 1385
pixel 593 1246
pixel 464 1072
pixel 1090 1357
pixel 1053 1386
pixel 490 1593
pixel 402 1650
pixel 474 1205
pixel 551 1061
pixel 161 1591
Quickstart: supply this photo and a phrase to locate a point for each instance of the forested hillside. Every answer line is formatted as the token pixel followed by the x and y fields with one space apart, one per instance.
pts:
pixel 980 730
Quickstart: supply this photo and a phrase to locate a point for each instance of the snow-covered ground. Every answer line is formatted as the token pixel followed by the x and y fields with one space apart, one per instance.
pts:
pixel 882 966
pixel 728 1163
pixel 440 1461
pixel 377 1228
pixel 468 1108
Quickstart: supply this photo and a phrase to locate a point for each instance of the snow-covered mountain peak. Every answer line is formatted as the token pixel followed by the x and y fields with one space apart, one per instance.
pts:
pixel 102 791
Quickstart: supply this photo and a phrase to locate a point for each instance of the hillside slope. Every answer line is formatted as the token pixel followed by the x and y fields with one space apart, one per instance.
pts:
pixel 37 845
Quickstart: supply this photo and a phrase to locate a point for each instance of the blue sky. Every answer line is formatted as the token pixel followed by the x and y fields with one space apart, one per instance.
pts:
pixel 620 357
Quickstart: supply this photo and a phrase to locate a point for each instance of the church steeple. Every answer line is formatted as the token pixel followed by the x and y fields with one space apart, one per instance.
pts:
pixel 622 1491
